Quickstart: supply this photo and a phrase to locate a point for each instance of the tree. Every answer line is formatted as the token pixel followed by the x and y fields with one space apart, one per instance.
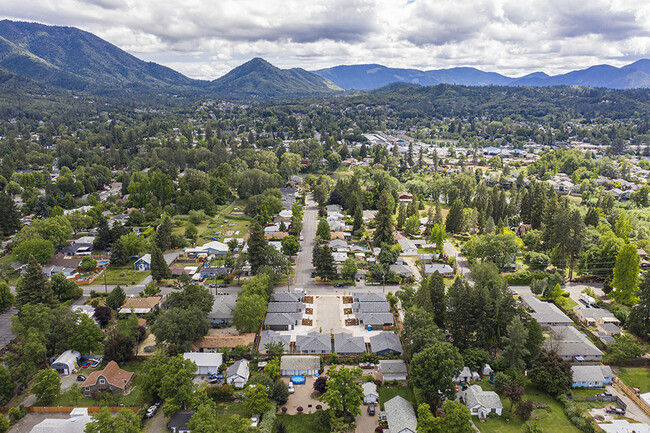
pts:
pixel 626 276
pixel 514 392
pixel 325 265
pixel 344 395
pixel 164 233
pixel 87 264
pixel 104 237
pixel 432 297
pixel 499 249
pixel 419 331
pixel 41 249
pixel 432 371
pixel 639 317
pixel 457 419
pixel 125 421
pixel 169 379
pixel 438 236
pixel 6 298
pixel 525 409
pixel 9 217
pixel 116 298
pixel 534 339
pixel 384 220
pixel 47 385
pixel 290 245
pixel 624 348
pixel 320 384
pixel 475 358
pixel 33 287
pixel 256 400
pixel 119 254
pixel 256 247
pixel 179 327
pixel 412 225
pixel 323 230
pixel 87 336
pixel 515 350
pixel 280 392
pixel 64 289
pixel 249 313
pixel 118 347
pixel 454 221
pixel 551 373
pixel 159 268
pixel 204 420
pixel 349 270
pixel 7 385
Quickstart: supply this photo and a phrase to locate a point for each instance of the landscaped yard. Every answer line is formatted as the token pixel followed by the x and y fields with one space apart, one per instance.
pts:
pixel 386 392
pixel 122 275
pixel 635 377
pixel 304 423
pixel 227 409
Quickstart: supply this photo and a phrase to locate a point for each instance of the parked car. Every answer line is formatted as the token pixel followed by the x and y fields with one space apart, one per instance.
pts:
pixel 339 285
pixel 255 420
pixel 610 409
pixel 313 274
pixel 371 409
pixel 95 363
pixel 302 238
pixel 81 378
pixel 291 388
pixel 367 365
pixel 86 364
pixel 152 410
pixel 607 394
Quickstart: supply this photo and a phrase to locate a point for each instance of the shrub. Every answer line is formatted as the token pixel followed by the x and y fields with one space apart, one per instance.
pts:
pixel 268 420
pixel 284 409
pixel 299 409
pixel 16 414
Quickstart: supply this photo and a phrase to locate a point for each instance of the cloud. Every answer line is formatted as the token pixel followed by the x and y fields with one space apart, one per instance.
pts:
pixel 205 39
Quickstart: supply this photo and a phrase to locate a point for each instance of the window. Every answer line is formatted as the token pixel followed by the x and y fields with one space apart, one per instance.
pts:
pixel 102 381
pixel 86 388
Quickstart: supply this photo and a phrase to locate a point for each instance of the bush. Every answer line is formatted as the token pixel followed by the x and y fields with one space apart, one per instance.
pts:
pixel 300 409
pixel 268 420
pixel 220 393
pixel 284 409
pixel 537 261
pixel 16 414
pixel 524 278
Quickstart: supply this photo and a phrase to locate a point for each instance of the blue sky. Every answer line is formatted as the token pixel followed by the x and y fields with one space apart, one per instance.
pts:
pixel 205 39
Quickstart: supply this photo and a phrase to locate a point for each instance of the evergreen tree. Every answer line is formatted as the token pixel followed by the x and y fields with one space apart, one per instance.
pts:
pixel 323 230
pixel 326 269
pixel 384 221
pixel 256 246
pixel 515 344
pixel 9 217
pixel 401 216
pixel 159 268
pixel 358 219
pixel 454 222
pixel 103 239
pixel 164 233
pixel 592 217
pixel 33 287
pixel 116 298
pixel 119 255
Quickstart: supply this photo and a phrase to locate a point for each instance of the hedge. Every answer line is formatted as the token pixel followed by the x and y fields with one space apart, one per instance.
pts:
pixel 268 420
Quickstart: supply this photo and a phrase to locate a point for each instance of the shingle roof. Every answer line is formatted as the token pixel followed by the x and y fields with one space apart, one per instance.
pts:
pixel 268 336
pixel 546 312
pixel 369 388
pixel 204 359
pixel 570 342
pixel 113 374
pixel 222 307
pixel 400 415
pixel 368 297
pixel 591 373
pixel 239 368
pixel 392 366
pixel 285 297
pixel 282 318
pixel 299 362
pixel 475 396
pixel 346 343
pixel 595 313
pixel 375 319
pixel 371 307
pixel 285 307
pixel 385 340
pixel 314 342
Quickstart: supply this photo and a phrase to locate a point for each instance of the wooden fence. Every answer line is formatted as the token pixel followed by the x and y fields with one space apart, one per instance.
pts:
pixel 618 383
pixel 68 409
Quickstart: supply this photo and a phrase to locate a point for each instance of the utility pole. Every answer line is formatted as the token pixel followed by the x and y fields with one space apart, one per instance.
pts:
pixel 105 286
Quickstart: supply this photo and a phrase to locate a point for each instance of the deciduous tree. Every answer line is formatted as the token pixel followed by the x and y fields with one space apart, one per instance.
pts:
pixel 626 276
pixel 432 371
pixel 344 395
pixel 47 385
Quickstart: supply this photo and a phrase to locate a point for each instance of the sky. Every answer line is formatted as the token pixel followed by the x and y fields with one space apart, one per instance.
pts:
pixel 207 38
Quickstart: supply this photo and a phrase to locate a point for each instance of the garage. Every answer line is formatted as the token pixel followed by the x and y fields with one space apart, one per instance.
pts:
pixel 206 362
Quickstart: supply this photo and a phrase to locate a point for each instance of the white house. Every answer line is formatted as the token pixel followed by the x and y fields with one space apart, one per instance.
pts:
pixel 67 362
pixel 408 247
pixel 370 394
pixel 143 263
pixel 75 424
pixel 481 402
pixel 400 415
pixel 237 374
pixel 206 362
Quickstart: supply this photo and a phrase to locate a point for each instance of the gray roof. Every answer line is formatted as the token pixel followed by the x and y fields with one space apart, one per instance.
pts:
pixel 314 342
pixel 401 270
pixel 591 373
pixel 568 341
pixel 369 388
pixel 346 343
pixel 406 244
pixel 609 327
pixel 385 340
pixel 475 396
pixel 437 267
pixel 285 297
pixel 285 307
pixel 300 362
pixel 595 313
pixel 337 243
pixel 375 318
pixel 546 312
pixel 400 415
pixel 392 366
pixel 282 318
pixel 239 368
pixel 371 307
pixel 222 307
pixel 268 336
pixel 368 297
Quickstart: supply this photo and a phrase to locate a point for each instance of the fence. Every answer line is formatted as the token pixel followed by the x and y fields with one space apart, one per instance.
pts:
pixel 613 398
pixel 68 409
pixel 618 383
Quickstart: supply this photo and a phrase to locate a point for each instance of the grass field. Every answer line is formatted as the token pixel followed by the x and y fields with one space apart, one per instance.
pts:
pixel 302 423
pixel 386 392
pixel 227 409
pixel 114 275
pixel 635 377
pixel 9 275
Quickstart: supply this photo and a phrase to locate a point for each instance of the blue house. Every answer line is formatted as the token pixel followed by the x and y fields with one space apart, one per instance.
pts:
pixel 143 263
pixel 591 376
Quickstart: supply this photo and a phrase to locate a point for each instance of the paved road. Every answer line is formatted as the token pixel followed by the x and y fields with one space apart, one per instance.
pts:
pixel 5 327
pixel 304 266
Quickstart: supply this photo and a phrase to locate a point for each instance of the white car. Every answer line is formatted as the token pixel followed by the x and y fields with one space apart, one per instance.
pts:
pixel 302 238
pixel 255 420
pixel 291 389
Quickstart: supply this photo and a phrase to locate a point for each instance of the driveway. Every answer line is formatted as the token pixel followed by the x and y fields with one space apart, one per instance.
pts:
pixel 328 313
pixel 157 424
pixel 26 424
pixel 632 411
pixel 367 423
pixel 461 262
pixel 304 266
pixel 304 396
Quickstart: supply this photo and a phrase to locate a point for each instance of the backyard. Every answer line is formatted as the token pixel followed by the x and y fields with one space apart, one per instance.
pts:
pixel 122 275
pixel 386 392
pixel 303 423
pixel 635 377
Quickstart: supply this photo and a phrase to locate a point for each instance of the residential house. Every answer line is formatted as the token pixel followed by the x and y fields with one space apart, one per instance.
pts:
pixel 368 297
pixel 267 337
pixel 624 426
pixel 67 362
pixel 386 343
pixel 219 342
pixel 401 270
pixel 370 394
pixel 237 374
pixel 339 257
pixel 464 376
pixel 285 307
pixel 481 403
pixel 69 273
pixel 546 313
pixel 348 345
pixel 408 247
pixel 286 297
pixel 178 422
pixel 76 423
pixel 608 329
pixel 291 365
pixel 206 362
pixel 339 245
pixel 393 369
pixel 591 376
pixel 222 308
pixel 314 342
pixel 375 321
pixel 65 261
pixel 405 197
pixel 595 316
pixel 400 415
pixel 371 307
pixel 443 269
pixel 141 306
pixel 143 263
pixel 425 259
pixel 112 378
pixel 282 321
pixel 80 247
pixel 571 345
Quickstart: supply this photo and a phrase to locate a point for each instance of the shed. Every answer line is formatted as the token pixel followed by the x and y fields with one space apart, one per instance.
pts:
pixel 393 369
pixel 67 362
pixel 370 394
pixel 237 374
pixel 206 362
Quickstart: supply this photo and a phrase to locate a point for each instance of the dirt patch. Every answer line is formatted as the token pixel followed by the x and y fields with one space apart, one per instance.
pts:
pixel 347 311
pixel 308 299
pixel 307 322
pixel 309 311
pixel 348 300
pixel 351 322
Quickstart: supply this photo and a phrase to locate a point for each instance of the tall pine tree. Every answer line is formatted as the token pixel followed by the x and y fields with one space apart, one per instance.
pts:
pixel 256 246
pixel 9 217
pixel 164 233
pixel 159 268
pixel 33 287
pixel 384 221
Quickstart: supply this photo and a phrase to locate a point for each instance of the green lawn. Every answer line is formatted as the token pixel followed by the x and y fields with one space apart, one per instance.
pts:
pixel 304 423
pixel 227 409
pixel 221 224
pixel 551 420
pixel 635 377
pixel 122 275
pixel 386 392
pixel 10 275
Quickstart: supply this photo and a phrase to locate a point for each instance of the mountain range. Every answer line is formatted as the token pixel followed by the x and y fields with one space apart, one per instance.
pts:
pixel 73 59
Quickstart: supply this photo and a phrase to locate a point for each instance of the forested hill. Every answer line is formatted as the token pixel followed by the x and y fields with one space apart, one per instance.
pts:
pixel 446 100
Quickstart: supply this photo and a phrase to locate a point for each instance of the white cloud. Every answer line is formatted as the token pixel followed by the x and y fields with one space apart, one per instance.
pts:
pixel 204 39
